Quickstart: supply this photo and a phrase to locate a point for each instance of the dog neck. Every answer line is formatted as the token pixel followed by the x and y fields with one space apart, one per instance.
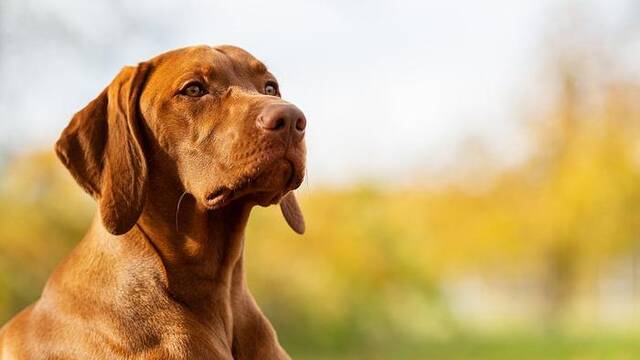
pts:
pixel 201 250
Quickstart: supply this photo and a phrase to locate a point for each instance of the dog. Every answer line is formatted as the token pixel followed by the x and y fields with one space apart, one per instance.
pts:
pixel 176 151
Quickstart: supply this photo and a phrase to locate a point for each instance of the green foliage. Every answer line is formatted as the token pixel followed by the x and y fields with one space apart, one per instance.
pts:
pixel 42 215
pixel 367 279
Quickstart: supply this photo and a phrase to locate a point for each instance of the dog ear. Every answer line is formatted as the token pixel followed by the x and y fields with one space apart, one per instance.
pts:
pixel 102 149
pixel 292 212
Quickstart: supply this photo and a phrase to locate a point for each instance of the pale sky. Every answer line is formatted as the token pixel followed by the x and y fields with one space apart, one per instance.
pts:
pixel 387 86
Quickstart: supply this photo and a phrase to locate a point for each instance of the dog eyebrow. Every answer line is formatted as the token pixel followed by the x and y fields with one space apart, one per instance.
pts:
pixel 201 73
pixel 189 76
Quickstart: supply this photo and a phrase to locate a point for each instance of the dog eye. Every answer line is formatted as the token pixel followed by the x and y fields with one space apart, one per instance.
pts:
pixel 194 90
pixel 271 89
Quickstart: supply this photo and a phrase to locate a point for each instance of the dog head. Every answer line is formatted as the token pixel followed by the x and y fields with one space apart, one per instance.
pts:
pixel 216 114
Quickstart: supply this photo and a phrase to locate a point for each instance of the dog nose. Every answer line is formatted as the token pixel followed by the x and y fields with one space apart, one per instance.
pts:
pixel 284 120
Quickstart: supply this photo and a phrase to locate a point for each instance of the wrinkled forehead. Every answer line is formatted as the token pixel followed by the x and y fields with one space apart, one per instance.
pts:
pixel 225 63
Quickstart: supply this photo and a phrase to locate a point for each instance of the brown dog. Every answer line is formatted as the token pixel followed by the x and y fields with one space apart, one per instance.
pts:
pixel 176 151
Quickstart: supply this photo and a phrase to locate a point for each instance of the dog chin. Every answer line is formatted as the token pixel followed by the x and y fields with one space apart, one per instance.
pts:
pixel 265 189
pixel 274 183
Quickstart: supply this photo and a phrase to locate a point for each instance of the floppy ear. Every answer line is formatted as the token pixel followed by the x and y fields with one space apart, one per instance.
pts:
pixel 292 213
pixel 102 149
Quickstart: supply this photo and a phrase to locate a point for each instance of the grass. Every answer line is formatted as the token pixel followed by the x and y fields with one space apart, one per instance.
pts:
pixel 520 347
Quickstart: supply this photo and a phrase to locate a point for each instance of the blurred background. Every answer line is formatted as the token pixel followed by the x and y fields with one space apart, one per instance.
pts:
pixel 474 167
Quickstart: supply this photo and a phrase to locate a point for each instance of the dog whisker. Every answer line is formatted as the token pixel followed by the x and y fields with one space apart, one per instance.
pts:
pixel 178 211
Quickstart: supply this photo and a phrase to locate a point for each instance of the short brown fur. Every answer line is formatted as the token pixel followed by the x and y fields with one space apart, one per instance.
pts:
pixel 159 274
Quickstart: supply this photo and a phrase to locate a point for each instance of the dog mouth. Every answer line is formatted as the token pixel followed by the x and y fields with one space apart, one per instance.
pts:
pixel 223 195
pixel 266 186
pixel 218 197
